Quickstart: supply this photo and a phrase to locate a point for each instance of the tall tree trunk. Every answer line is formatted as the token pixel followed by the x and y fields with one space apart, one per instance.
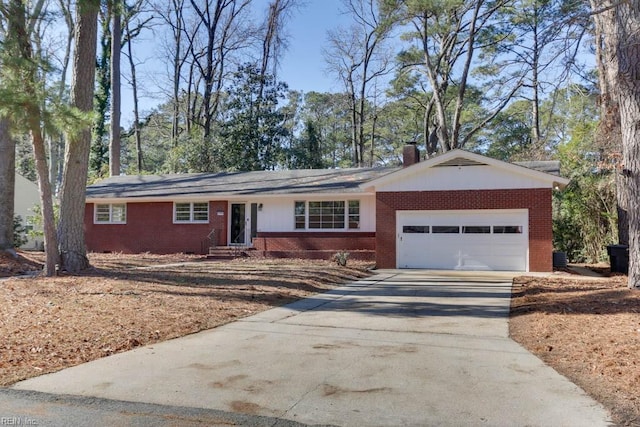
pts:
pixel 27 74
pixel 354 124
pixel 210 20
pixel 7 185
pixel 535 103
pixel 272 40
pixel 462 85
pixel 53 147
pixel 536 134
pixel 136 111
pixel 609 133
pixel 268 43
pixel 100 145
pixel 373 138
pixel 46 196
pixel 192 90
pixel 72 195
pixel 178 61
pixel 361 115
pixel 56 142
pixel 628 53
pixel 116 43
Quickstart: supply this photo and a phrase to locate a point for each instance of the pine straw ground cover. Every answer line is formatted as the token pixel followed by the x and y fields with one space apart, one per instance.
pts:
pixel 127 301
pixel 589 331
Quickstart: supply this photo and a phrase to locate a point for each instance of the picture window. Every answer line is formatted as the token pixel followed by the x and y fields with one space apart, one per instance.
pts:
pixel 327 215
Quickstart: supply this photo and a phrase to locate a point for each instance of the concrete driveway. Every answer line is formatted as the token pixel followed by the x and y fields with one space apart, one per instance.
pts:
pixel 400 348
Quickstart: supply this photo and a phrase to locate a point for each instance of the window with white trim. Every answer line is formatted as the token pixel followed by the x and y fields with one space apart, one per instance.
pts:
pixel 300 213
pixel 110 213
pixel 191 212
pixel 354 214
pixel 325 215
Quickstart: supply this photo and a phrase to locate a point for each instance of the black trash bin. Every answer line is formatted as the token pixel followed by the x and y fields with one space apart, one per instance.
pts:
pixel 618 258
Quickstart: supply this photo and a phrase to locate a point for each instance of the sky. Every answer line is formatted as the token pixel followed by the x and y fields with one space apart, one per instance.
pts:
pixel 303 65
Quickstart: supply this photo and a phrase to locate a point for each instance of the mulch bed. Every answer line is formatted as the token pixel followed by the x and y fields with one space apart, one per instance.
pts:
pixel 589 331
pixel 24 263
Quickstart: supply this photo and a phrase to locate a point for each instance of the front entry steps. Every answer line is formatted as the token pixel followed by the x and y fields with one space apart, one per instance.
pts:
pixel 226 253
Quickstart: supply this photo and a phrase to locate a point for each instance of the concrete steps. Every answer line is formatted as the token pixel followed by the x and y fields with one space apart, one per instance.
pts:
pixel 226 253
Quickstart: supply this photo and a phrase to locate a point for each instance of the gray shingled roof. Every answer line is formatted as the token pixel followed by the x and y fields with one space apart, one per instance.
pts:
pixel 548 166
pixel 226 184
pixel 236 183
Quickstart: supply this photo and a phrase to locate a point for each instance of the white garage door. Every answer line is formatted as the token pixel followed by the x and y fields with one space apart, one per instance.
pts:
pixel 463 240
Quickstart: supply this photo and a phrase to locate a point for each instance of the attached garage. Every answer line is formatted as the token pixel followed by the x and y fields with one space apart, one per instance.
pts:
pixel 463 211
pixel 463 239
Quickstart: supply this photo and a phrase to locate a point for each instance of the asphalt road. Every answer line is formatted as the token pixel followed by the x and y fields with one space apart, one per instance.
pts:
pixel 29 408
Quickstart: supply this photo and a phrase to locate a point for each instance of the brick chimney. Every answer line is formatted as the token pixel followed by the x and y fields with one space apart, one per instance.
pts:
pixel 410 154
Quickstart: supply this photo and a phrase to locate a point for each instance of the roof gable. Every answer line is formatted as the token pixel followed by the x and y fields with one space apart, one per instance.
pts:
pixel 463 170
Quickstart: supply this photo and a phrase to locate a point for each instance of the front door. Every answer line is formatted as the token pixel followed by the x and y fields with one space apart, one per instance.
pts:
pixel 238 224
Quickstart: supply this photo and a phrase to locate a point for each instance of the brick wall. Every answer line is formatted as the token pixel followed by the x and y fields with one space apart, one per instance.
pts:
pixel 150 228
pixel 537 201
pixel 315 241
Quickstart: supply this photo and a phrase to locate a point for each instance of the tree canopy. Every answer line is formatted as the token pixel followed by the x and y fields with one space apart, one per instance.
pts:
pixel 512 79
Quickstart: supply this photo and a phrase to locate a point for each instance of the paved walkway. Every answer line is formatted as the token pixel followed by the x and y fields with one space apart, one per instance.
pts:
pixel 400 348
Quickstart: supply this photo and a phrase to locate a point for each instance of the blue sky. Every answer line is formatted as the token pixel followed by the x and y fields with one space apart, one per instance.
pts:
pixel 303 65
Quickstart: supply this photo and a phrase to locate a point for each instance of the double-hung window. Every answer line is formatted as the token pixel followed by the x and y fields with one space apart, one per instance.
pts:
pixel 110 213
pixel 300 214
pixel 192 212
pixel 325 215
pixel 354 214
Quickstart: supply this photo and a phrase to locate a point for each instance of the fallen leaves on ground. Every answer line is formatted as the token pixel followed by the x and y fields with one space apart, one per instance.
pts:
pixel 589 331
pixel 22 263
pixel 127 301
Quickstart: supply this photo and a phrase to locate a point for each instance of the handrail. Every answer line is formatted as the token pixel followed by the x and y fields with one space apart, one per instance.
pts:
pixel 212 237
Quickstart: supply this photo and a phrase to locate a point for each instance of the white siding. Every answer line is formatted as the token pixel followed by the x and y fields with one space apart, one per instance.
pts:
pixel 277 213
pixel 27 196
pixel 462 178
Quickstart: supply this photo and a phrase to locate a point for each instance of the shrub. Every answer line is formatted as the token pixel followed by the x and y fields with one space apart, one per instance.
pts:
pixel 341 258
pixel 19 232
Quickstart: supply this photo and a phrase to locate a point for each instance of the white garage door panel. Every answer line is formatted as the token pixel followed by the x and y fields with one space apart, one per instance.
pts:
pixel 462 251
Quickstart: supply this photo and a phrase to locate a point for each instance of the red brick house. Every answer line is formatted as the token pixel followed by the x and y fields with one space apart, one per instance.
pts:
pixel 459 210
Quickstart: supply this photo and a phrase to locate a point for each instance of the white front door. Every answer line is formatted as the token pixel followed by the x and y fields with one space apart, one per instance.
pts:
pixel 463 240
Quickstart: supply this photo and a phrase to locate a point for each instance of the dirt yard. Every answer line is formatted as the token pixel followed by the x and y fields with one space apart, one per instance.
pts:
pixel 589 331
pixel 47 324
